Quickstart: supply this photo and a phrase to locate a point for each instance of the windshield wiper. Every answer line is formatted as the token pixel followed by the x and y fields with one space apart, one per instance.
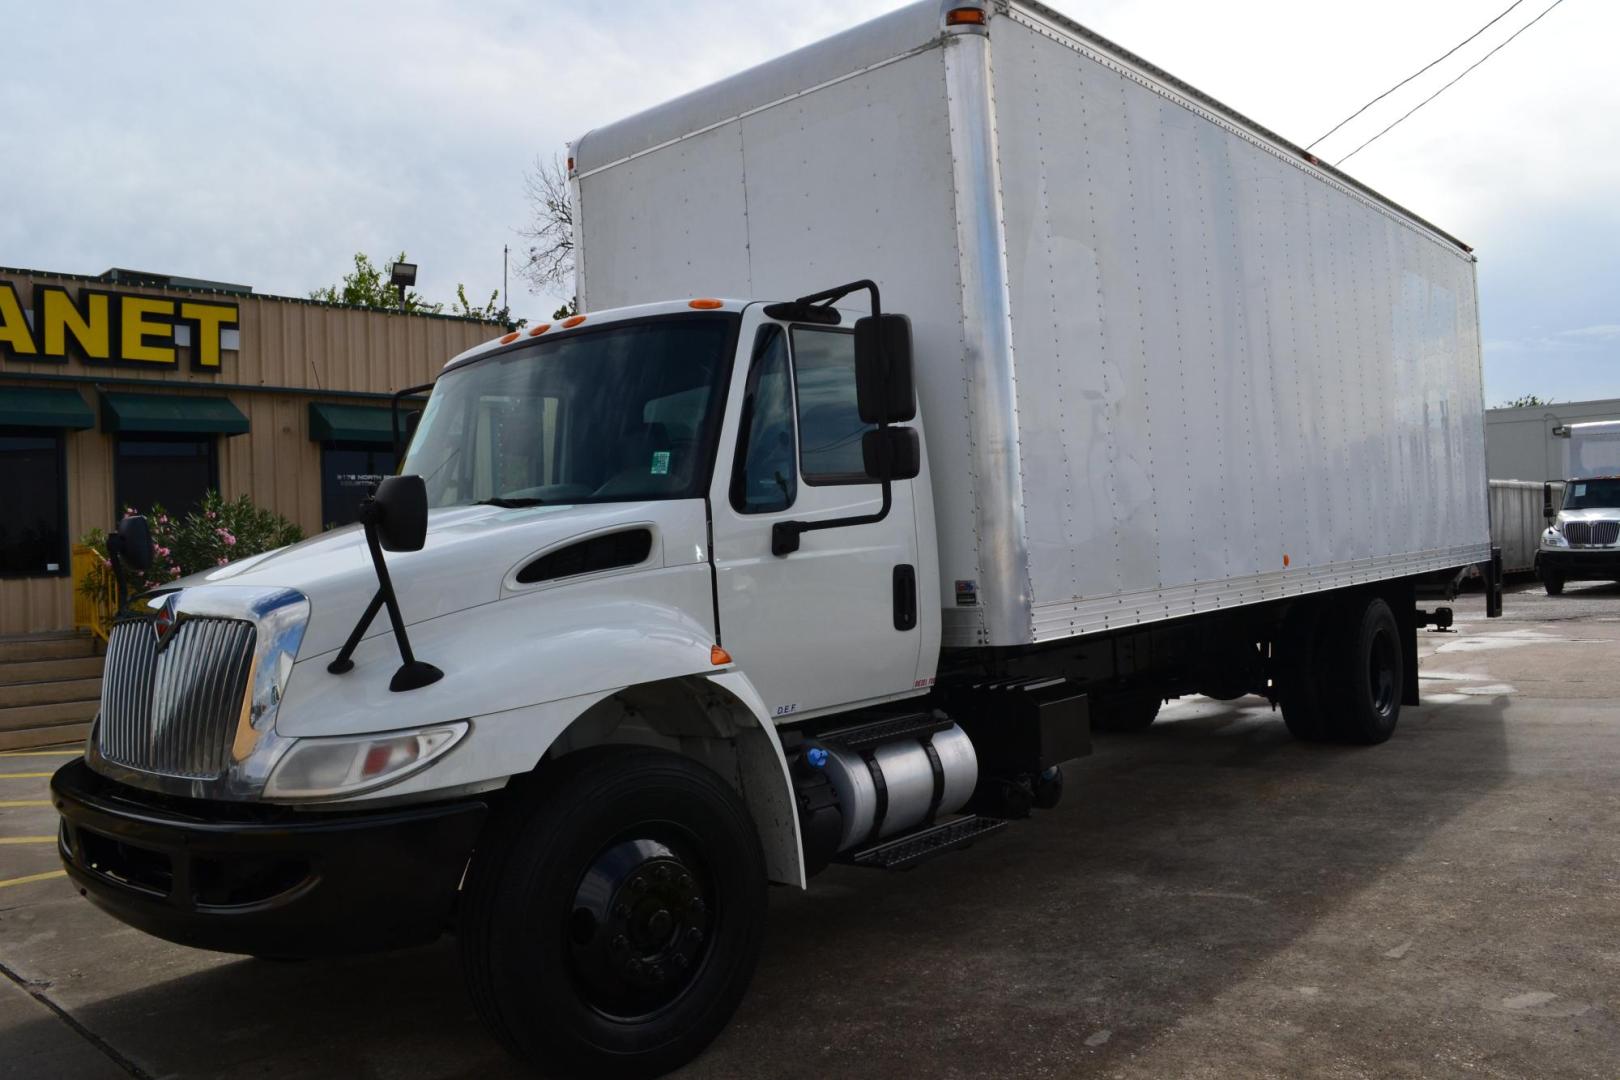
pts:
pixel 510 503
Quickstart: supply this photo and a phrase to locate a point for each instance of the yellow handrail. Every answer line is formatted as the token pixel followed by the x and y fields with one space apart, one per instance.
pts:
pixel 93 603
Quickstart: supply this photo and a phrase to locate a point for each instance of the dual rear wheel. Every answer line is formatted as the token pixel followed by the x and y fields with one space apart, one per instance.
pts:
pixel 1341 670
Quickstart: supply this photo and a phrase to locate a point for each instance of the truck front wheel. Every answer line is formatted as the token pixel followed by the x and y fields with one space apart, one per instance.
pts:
pixel 1552 580
pixel 613 915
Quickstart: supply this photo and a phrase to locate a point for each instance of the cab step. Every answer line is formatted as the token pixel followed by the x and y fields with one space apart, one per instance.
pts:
pixel 904 852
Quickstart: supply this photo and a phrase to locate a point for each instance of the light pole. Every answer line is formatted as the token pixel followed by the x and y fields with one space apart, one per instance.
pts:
pixel 402 275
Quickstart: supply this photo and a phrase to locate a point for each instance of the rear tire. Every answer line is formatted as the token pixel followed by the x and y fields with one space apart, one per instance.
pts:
pixel 1364 675
pixel 613 913
pixel 1306 638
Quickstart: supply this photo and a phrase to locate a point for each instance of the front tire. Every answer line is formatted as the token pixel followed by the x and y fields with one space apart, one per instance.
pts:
pixel 613 913
pixel 1552 581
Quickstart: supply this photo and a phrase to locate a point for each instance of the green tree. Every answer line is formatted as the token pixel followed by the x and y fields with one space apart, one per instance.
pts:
pixel 489 312
pixel 368 287
pixel 1527 401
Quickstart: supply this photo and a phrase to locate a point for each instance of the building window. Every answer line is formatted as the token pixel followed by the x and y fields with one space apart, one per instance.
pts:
pixel 350 472
pixel 173 472
pixel 33 526
pixel 830 427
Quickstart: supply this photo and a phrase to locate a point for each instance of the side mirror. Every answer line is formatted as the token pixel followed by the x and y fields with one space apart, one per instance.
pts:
pixel 883 384
pixel 1547 511
pixel 891 453
pixel 134 543
pixel 399 510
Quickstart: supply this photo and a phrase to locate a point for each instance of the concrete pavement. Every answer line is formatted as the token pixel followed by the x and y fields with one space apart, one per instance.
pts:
pixel 1211 899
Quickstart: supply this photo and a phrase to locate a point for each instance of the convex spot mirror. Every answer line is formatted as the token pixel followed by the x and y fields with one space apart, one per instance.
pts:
pixel 399 510
pixel 883 386
pixel 892 453
pixel 132 543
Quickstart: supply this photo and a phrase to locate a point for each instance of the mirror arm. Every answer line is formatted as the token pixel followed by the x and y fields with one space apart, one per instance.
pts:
pixel 412 673
pixel 785 534
pixel 400 395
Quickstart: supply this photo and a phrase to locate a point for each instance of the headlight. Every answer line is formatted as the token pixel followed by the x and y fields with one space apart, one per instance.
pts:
pixel 323 768
pixel 1553 538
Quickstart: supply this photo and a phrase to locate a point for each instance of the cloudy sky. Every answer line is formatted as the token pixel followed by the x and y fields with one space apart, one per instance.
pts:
pixel 265 145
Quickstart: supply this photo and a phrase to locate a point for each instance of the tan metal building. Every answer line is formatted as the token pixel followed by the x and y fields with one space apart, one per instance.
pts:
pixel 128 389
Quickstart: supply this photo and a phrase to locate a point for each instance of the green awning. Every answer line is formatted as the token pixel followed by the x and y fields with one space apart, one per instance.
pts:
pixel 354 423
pixel 171 414
pixel 33 407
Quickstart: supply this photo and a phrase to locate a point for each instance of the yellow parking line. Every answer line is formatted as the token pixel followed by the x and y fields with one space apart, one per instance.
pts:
pixel 24 802
pixel 40 753
pixel 46 876
pixel 25 775
pixel 26 839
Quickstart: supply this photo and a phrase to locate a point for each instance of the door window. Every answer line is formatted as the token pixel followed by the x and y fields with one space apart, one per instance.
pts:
pixel 830 427
pixel 765 478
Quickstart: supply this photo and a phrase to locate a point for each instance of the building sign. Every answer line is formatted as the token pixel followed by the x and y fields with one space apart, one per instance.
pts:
pixel 127 329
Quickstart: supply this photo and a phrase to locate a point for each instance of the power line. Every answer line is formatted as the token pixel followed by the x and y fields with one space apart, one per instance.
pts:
pixel 1448 85
pixel 1414 74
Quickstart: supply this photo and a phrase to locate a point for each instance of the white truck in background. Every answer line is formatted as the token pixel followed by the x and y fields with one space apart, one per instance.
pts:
pixel 1582 538
pixel 941 392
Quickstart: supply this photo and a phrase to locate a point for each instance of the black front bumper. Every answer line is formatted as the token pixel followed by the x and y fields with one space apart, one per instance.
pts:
pixel 1581 564
pixel 264 880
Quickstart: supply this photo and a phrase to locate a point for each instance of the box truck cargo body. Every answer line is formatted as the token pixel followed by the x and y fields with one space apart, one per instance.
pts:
pixel 1158 351
pixel 939 394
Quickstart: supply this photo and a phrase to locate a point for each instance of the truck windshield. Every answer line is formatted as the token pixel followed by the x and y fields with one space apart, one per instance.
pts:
pixel 1591 494
pixel 620 414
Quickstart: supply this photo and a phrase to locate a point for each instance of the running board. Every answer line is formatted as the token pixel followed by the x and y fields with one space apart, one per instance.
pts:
pixel 904 852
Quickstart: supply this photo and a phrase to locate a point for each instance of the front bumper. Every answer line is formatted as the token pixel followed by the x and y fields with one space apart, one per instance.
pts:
pixel 263 880
pixel 1581 564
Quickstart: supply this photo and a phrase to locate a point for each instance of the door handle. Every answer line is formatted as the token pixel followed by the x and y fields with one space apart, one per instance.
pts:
pixel 905 597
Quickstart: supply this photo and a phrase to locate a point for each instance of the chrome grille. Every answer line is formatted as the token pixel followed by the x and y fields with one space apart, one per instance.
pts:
pixel 174 710
pixel 1593 533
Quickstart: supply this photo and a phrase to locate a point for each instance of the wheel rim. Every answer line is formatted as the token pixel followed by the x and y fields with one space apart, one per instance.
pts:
pixel 1381 669
pixel 640 927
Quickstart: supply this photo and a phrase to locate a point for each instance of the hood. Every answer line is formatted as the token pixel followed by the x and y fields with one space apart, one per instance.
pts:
pixel 470 553
pixel 1591 513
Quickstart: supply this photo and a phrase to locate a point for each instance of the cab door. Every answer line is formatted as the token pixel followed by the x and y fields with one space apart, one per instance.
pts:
pixel 835 623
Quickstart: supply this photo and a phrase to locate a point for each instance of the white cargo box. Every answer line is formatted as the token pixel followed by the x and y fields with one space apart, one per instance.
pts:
pixel 1167 363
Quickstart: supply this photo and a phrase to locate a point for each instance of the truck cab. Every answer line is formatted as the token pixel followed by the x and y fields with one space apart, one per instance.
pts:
pixel 1582 538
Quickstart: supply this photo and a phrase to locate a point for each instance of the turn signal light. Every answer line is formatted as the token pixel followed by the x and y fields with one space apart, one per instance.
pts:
pixel 538 330
pixel 705 303
pixel 572 321
pixel 718 656
pixel 509 338
pixel 964 16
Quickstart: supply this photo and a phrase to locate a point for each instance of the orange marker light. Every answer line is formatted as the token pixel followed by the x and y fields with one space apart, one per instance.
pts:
pixel 572 321
pixel 509 338
pixel 704 303
pixel 964 16
pixel 1285 559
pixel 538 330
pixel 718 656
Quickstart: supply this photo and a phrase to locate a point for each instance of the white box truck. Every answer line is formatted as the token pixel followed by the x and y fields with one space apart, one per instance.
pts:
pixel 1582 539
pixel 940 392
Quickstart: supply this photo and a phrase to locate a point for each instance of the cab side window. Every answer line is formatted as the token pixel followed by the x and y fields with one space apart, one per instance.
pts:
pixel 765 477
pixel 830 427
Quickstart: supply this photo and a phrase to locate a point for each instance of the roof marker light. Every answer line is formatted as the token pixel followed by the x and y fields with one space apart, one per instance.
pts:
pixel 706 303
pixel 572 321
pixel 718 656
pixel 509 338
pixel 538 330
pixel 964 16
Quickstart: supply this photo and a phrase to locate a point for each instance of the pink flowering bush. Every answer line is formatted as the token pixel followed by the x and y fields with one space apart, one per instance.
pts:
pixel 214 534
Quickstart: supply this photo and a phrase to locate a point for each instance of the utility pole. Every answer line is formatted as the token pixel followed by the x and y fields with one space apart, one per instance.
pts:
pixel 505 248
